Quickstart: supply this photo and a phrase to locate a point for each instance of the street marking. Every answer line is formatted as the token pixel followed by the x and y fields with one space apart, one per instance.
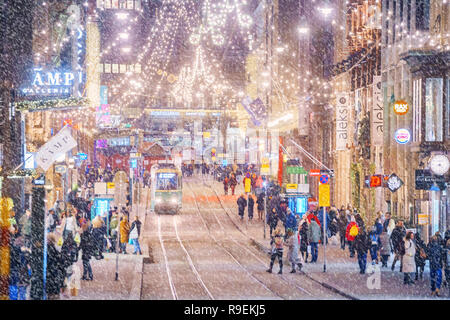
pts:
pixel 172 287
pixel 190 260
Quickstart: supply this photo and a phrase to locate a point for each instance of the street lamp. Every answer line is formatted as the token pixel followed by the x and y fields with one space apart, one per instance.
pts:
pixel 303 26
pixel 326 8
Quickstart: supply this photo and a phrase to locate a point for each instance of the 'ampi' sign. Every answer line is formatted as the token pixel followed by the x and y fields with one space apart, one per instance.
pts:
pixel 342 117
pixel 377 113
pixel 52 83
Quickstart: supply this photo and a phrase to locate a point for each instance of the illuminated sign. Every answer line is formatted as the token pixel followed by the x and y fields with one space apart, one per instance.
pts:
pixel 402 136
pixel 401 107
pixel 374 181
pixel 166 175
pixel 52 83
pixel 394 182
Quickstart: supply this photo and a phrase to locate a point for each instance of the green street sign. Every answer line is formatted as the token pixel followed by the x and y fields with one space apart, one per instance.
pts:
pixel 296 170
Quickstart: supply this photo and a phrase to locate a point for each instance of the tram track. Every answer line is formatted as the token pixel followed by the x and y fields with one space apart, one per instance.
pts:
pixel 263 263
pixel 226 210
pixel 188 258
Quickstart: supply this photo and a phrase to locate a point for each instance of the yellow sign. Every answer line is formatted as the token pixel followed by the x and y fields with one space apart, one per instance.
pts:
pixel 110 185
pixel 423 219
pixel 324 195
pixel 401 107
pixel 248 185
pixel 291 186
pixel 265 162
pixel 206 134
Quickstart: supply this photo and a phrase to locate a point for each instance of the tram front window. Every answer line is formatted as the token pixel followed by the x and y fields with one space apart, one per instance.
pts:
pixel 166 181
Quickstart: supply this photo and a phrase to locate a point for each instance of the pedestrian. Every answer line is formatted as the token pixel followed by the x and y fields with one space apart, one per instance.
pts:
pixel 447 263
pixel 378 225
pixel 389 223
pixel 303 232
pixel 98 236
pixel 233 182
pixel 409 265
pixel 25 228
pixel 113 224
pixel 291 221
pixel 397 236
pixel 260 205
pixel 272 220
pixel 124 232
pixel 420 256
pixel 88 250
pixel 342 225
pixel 242 203
pixel 251 205
pixel 55 269
pixel 69 224
pixel 225 184
pixel 20 271
pixel 362 245
pixel 350 233
pixel 314 236
pixel 276 244
pixel 135 233
pixel 375 244
pixel 434 253
pixel 292 254
pixel 50 221
pixel 385 248
pixel 69 255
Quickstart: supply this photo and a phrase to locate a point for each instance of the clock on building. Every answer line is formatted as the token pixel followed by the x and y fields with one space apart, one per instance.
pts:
pixel 439 164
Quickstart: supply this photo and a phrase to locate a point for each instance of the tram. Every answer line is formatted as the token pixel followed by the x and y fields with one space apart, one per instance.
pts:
pixel 168 189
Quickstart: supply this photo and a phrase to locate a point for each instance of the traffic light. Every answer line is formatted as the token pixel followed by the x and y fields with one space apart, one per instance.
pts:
pixel 213 154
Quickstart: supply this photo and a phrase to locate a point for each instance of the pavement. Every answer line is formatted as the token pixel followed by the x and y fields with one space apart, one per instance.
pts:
pixel 342 272
pixel 130 269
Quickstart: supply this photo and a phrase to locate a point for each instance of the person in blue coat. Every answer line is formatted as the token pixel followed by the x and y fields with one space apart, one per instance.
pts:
pixel 291 221
pixel 435 255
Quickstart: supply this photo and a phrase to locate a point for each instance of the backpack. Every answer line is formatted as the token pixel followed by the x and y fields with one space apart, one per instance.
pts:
pixel 354 231
pixel 374 239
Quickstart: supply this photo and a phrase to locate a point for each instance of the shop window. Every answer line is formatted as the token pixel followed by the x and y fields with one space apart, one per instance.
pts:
pixel 434 109
pixel 417 109
pixel 447 117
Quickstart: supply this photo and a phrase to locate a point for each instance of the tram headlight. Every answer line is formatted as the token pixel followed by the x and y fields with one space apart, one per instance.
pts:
pixel 174 200
pixel 158 200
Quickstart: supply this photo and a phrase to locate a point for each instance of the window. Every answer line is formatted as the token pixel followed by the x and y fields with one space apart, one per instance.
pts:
pixel 422 15
pixel 107 68
pixel 417 108
pixel 120 4
pixel 433 109
pixel 166 181
pixel 447 117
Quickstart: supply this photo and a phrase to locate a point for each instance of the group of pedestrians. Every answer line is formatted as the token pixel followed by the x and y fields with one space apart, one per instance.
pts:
pixel 387 237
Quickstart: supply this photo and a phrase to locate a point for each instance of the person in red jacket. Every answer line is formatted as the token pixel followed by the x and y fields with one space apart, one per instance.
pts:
pixel 351 238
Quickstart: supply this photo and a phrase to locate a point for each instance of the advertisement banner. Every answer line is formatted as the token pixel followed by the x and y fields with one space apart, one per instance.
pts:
pixel 60 143
pixel 376 126
pixel 342 117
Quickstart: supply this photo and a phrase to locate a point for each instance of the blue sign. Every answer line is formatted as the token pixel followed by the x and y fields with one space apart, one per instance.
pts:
pixel 82 156
pixel 224 163
pixel 103 95
pixel 323 179
pixel 133 163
